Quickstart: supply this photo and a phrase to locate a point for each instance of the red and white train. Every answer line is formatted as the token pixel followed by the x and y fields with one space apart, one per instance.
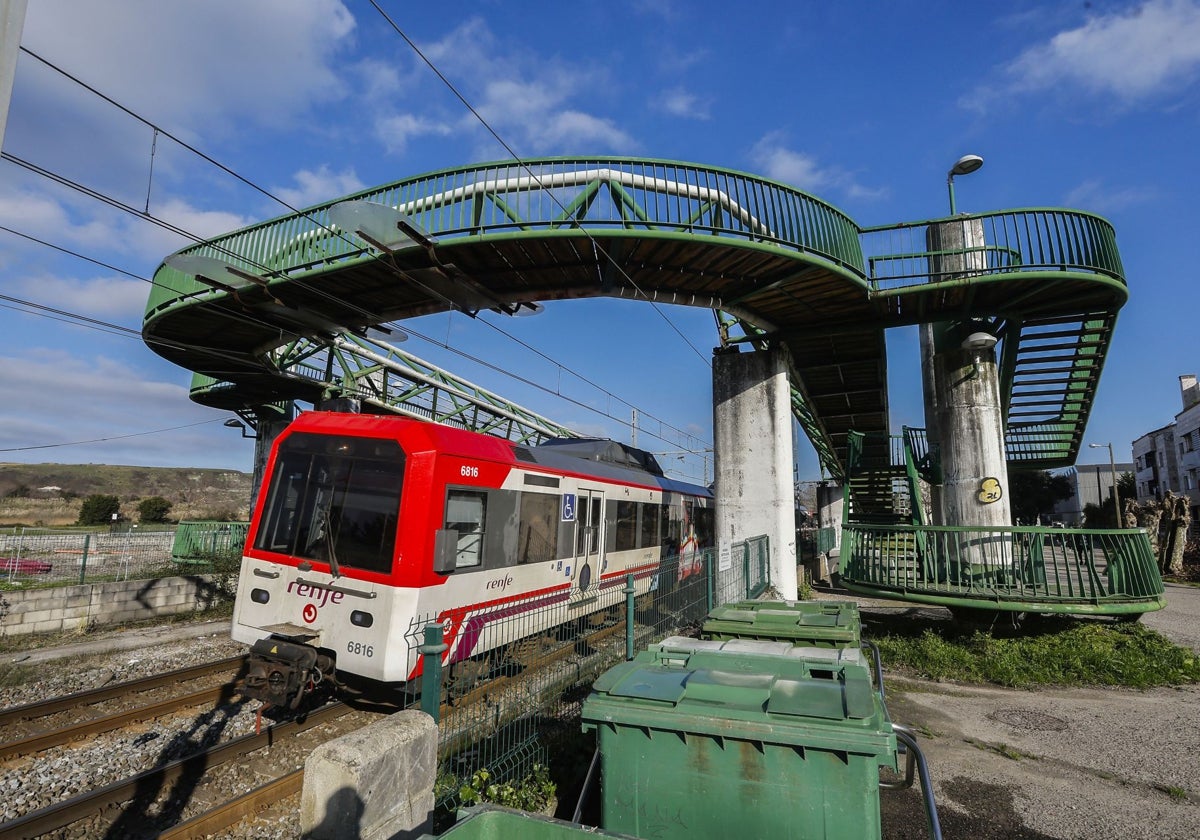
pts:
pixel 369 527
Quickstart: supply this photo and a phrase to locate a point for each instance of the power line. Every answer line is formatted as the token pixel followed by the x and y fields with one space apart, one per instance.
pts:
pixel 145 215
pixel 532 174
pixel 105 439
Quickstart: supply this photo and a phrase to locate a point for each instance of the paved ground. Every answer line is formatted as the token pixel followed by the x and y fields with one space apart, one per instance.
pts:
pixel 1056 763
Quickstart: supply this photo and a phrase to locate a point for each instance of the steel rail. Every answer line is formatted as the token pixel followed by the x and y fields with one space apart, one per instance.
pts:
pixel 54 817
pixel 96 726
pixel 43 708
pixel 234 811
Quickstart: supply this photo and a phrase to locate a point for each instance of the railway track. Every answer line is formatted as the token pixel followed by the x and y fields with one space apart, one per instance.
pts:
pixel 132 805
pixel 49 736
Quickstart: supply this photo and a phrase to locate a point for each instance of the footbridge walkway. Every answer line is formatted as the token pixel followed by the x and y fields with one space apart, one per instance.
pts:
pixel 244 311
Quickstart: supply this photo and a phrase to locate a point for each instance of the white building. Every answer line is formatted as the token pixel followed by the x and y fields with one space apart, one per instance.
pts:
pixel 1091 484
pixel 1169 458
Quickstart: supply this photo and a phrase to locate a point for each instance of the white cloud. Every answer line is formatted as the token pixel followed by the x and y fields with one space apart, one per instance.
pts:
pixel 683 103
pixel 396 131
pixel 1133 54
pixel 532 101
pixel 109 298
pixel 781 163
pixel 199 65
pixel 98 397
pixel 321 185
pixel 1094 196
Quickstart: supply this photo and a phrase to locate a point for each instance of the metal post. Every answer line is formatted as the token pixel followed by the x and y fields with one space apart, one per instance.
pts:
pixel 87 539
pixel 628 590
pixel 710 572
pixel 431 671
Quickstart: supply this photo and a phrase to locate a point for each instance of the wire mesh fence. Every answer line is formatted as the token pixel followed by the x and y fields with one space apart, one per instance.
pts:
pixel 39 557
pixel 511 691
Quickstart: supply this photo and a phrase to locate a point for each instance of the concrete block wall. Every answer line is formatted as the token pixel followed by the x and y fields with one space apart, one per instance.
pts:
pixel 70 608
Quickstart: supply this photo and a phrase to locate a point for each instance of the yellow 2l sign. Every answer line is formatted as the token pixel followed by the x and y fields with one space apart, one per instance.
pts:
pixel 990 491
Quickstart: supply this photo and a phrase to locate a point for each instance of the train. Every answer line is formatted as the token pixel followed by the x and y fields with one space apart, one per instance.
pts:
pixel 369 527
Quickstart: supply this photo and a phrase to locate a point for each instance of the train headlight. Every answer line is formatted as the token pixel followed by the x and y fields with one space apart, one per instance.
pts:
pixel 361 619
pixel 260 596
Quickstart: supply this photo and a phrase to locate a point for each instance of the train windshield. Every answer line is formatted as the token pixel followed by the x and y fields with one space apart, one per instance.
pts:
pixel 336 500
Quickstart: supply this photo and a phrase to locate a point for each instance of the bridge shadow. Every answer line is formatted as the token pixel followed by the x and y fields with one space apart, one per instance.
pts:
pixel 160 800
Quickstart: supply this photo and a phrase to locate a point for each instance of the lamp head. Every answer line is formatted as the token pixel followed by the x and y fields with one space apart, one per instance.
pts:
pixel 965 165
pixel 979 341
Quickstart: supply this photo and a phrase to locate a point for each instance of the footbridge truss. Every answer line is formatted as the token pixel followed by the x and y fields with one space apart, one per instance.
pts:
pixel 273 312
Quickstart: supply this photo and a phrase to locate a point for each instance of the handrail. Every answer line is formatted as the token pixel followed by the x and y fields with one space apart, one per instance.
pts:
pixel 907 737
pixel 1018 567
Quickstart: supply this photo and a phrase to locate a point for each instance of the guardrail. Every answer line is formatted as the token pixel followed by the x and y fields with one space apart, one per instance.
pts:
pixel 1017 568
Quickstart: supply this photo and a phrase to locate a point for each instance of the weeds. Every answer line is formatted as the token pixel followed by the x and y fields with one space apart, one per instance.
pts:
pixel 1073 653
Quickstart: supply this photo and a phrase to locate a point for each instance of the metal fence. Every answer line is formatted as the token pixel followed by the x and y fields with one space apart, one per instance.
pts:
pixel 506 709
pixel 38 557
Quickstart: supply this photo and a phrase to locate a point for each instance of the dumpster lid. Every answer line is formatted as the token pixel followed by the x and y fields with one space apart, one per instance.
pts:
pixel 685 645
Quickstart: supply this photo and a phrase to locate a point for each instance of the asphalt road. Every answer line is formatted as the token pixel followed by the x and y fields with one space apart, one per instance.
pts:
pixel 1055 763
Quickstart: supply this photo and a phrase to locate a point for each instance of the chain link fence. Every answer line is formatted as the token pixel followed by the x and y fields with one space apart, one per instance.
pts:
pixel 39 557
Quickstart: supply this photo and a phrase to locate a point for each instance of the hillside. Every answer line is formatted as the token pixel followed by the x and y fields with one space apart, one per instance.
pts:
pixel 50 494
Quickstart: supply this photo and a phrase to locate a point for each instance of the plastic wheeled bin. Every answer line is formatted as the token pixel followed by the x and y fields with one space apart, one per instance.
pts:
pixel 719 744
pixel 492 822
pixel 807 623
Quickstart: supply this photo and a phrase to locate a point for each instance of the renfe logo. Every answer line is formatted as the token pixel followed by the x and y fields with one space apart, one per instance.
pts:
pixel 500 583
pixel 316 593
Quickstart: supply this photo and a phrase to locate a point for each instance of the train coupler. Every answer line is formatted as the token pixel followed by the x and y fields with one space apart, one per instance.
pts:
pixel 282 673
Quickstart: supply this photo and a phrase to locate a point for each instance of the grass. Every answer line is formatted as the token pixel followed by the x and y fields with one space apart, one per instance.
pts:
pixel 1072 653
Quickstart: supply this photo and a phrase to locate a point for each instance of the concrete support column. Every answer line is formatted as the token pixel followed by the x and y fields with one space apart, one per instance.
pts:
pixel 830 506
pixel 963 412
pixel 752 433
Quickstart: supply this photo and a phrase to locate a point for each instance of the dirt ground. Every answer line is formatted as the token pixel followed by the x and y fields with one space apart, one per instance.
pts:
pixel 1054 763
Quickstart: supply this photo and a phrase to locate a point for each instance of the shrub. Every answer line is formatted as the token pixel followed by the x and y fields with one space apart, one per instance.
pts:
pixel 99 509
pixel 153 509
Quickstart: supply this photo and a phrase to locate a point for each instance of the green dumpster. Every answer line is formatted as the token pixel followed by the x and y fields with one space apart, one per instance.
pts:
pixel 719 744
pixel 808 623
pixel 492 822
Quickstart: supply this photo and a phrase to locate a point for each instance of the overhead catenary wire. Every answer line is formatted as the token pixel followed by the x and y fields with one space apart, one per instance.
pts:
pixel 146 216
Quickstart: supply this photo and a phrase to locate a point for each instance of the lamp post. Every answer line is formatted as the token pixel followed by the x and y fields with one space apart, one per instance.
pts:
pixel 1112 465
pixel 965 165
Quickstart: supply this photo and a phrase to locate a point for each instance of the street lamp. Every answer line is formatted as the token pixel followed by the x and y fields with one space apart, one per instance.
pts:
pixel 1112 465
pixel 965 165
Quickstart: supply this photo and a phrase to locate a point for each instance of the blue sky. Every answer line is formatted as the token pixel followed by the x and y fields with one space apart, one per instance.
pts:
pixel 1092 106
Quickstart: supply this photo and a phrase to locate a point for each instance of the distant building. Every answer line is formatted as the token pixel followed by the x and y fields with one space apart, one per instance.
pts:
pixel 1169 458
pixel 1090 484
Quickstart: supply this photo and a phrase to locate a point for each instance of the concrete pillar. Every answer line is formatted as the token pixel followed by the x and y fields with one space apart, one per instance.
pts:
pixel 752 433
pixel 375 783
pixel 831 502
pixel 12 23
pixel 964 416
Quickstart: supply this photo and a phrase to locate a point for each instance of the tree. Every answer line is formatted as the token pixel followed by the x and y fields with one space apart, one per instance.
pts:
pixel 1033 493
pixel 99 509
pixel 153 509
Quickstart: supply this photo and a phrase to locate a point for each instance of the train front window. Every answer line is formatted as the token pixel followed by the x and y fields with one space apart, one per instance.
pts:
pixel 335 500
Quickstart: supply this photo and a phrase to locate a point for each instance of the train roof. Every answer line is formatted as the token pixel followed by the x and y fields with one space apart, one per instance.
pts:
pixel 604 458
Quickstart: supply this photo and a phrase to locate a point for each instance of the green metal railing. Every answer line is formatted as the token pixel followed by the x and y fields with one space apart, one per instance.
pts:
pixel 1024 569
pixel 543 197
pixel 1017 241
pixel 204 543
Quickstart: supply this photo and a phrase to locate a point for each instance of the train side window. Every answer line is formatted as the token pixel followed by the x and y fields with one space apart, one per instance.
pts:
pixel 649 513
pixel 538 538
pixel 625 514
pixel 466 513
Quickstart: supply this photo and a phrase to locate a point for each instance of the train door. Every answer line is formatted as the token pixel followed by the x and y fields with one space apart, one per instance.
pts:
pixel 589 538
